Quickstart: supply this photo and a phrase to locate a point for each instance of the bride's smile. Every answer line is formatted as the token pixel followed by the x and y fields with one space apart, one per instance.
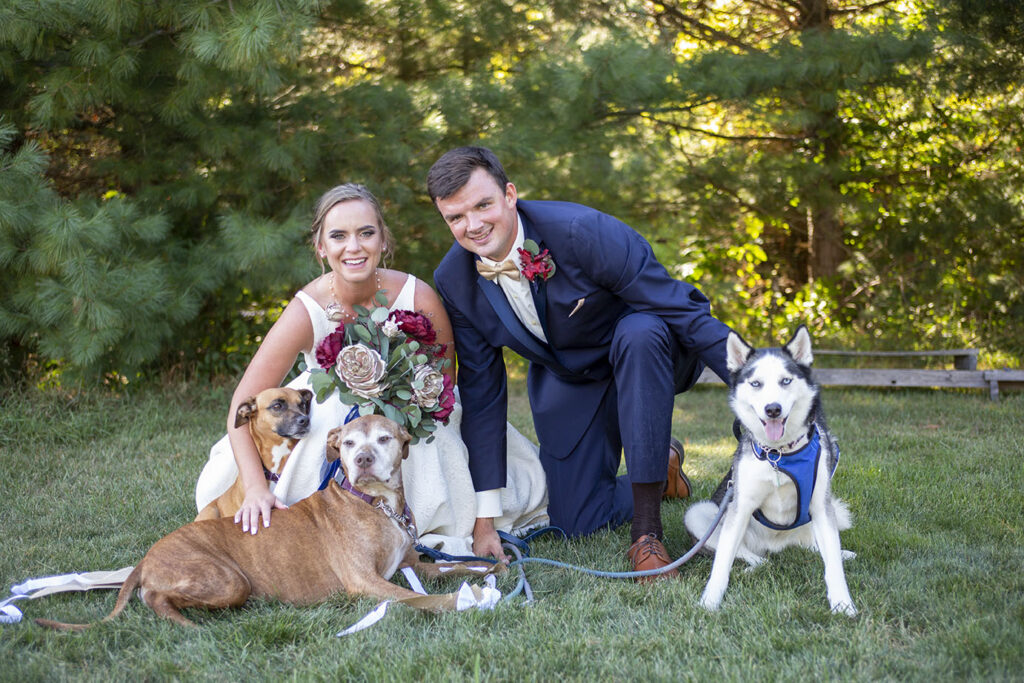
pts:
pixel 352 241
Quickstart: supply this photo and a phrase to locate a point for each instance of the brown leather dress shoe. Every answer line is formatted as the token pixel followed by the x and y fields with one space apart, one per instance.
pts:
pixel 649 553
pixel 677 485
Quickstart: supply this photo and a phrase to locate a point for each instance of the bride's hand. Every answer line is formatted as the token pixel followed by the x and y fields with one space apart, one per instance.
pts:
pixel 257 503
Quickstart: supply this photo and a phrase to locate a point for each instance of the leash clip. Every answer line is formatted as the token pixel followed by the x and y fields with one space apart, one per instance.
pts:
pixel 403 521
pixel 773 456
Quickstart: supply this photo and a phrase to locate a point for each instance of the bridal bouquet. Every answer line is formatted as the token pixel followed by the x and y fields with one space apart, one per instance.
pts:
pixel 389 364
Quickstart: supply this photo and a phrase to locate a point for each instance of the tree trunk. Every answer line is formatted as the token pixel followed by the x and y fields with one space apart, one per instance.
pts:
pixel 824 229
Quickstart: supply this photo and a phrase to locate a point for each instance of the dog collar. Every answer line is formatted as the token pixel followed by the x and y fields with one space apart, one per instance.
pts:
pixel 271 476
pixel 404 520
pixel 794 446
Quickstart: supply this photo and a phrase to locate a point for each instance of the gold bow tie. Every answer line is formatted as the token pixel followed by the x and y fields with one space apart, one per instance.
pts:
pixel 492 272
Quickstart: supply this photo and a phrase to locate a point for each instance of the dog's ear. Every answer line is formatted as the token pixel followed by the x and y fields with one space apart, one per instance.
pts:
pixel 736 352
pixel 405 438
pixel 332 453
pixel 307 399
pixel 246 409
pixel 800 347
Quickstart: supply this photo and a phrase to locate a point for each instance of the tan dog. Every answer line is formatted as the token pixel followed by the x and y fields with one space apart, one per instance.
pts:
pixel 277 419
pixel 334 541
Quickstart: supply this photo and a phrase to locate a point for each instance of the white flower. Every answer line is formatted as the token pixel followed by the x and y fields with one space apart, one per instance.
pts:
pixel 390 329
pixel 362 370
pixel 431 384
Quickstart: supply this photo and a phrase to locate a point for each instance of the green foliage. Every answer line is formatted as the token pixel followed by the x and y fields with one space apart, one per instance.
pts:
pixel 857 169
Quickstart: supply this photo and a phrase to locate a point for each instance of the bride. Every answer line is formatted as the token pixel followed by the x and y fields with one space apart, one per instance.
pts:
pixel 349 232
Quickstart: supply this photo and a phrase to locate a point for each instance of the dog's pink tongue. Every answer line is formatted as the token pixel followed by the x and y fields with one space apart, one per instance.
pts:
pixel 773 429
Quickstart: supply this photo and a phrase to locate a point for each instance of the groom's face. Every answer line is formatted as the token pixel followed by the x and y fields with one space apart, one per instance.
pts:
pixel 482 216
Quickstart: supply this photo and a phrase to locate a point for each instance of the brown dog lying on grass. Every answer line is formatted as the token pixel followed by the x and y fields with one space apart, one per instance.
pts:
pixel 277 419
pixel 335 541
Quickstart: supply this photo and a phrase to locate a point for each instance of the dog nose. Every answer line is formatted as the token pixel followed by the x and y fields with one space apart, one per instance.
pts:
pixel 773 410
pixel 302 422
pixel 364 459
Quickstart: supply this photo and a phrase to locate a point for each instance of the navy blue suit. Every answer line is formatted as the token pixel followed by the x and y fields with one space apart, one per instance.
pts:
pixel 607 377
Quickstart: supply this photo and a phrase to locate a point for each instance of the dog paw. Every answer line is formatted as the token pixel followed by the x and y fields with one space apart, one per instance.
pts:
pixel 710 603
pixel 849 555
pixel 753 562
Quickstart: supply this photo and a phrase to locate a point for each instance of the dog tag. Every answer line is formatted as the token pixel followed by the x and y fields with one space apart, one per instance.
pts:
pixel 773 458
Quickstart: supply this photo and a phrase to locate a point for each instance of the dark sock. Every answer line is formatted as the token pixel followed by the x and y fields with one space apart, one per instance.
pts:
pixel 647 510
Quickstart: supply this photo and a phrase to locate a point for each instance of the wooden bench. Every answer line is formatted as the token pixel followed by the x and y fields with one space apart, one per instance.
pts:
pixel 965 374
pixel 963 359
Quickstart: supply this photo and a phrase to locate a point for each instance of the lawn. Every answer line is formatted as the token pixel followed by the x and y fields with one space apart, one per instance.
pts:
pixel 934 479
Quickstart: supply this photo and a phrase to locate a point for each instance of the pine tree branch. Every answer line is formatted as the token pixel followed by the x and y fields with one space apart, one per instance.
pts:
pixel 145 39
pixel 780 13
pixel 697 29
pixel 862 8
pixel 722 136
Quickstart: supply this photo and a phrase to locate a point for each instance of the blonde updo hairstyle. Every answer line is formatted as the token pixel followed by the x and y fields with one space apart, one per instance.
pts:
pixel 347 193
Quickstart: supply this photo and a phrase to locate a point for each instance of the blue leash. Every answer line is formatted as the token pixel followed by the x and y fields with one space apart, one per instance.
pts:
pixel 521 544
pixel 647 572
pixel 332 468
pixel 523 586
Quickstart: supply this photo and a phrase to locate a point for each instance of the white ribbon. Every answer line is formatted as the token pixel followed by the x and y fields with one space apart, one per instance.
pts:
pixel 48 585
pixel 414 581
pixel 9 614
pixel 468 597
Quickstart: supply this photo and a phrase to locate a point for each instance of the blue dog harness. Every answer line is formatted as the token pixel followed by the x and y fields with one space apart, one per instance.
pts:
pixel 802 467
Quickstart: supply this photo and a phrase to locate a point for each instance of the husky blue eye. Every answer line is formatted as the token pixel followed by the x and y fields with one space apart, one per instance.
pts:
pixel 755 383
pixel 785 381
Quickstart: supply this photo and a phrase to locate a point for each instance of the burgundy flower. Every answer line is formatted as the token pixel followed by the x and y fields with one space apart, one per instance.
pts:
pixel 327 351
pixel 536 266
pixel 446 401
pixel 416 325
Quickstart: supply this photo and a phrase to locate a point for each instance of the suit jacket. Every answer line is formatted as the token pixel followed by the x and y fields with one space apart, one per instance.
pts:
pixel 612 269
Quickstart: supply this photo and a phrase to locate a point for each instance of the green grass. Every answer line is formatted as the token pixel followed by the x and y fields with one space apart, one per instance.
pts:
pixel 935 481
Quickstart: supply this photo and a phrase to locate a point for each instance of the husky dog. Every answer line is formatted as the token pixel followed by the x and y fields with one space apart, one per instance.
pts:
pixel 781 471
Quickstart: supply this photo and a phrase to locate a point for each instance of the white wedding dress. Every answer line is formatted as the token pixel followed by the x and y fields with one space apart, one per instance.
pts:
pixel 438 486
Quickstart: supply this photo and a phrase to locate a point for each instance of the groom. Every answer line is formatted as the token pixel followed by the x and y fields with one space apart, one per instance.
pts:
pixel 610 336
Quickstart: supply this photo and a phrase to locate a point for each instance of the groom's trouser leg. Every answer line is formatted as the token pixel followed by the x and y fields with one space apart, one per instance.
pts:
pixel 645 361
pixel 649 370
pixel 584 492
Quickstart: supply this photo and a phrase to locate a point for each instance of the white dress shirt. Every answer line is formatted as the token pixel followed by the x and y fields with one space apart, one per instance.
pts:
pixel 518 291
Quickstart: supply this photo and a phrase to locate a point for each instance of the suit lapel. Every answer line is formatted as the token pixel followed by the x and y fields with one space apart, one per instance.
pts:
pixel 508 318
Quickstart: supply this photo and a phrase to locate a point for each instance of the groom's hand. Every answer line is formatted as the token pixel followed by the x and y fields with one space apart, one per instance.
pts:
pixel 486 542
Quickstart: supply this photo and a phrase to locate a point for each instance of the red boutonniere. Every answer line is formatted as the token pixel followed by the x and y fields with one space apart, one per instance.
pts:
pixel 536 264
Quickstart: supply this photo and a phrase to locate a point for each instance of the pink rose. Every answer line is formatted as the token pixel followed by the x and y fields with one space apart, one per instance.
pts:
pixel 416 325
pixel 446 401
pixel 327 351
